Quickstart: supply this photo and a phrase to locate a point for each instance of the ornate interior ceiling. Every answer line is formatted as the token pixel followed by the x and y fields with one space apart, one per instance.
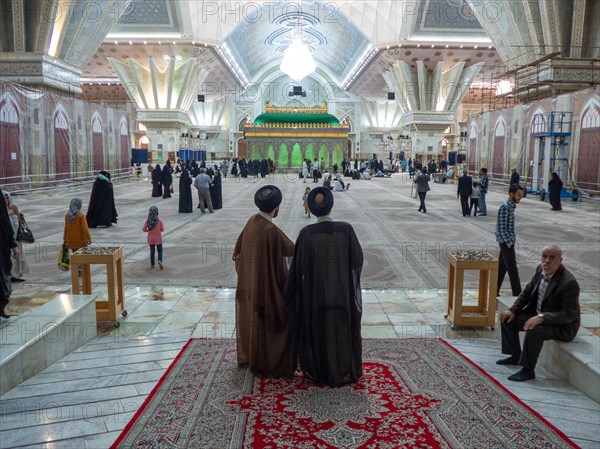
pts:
pixel 254 36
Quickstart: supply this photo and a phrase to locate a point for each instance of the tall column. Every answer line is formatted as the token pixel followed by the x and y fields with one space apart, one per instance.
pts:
pixel 53 41
pixel 163 98
pixel 428 100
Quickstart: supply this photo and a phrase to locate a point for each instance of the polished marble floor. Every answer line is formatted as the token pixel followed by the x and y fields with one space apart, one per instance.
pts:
pixel 86 399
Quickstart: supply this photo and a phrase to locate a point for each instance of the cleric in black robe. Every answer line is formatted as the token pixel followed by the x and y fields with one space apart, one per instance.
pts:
pixel 323 296
pixel 167 179
pixel 185 193
pixel 216 191
pixel 156 182
pixel 101 209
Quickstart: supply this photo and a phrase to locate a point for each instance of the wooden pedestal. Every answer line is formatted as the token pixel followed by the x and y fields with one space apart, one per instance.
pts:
pixel 115 306
pixel 484 313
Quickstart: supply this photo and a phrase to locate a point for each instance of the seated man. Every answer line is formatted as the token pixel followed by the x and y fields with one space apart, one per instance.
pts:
pixel 343 185
pixel 327 183
pixel 366 175
pixel 547 309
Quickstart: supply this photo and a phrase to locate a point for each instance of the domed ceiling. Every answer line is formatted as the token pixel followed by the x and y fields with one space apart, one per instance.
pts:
pixel 250 37
pixel 261 39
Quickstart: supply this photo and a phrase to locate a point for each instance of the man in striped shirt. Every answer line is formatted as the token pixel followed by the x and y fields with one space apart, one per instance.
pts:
pixel 506 238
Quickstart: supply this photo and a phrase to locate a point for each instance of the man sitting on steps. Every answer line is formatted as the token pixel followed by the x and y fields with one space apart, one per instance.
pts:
pixel 547 309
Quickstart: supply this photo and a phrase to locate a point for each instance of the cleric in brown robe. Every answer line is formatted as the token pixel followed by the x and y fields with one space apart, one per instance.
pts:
pixel 323 296
pixel 264 340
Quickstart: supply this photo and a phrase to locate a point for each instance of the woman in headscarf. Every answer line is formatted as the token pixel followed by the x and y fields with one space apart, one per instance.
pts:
pixel 555 186
pixel 154 226
pixel 101 210
pixel 20 266
pixel 185 193
pixel 76 234
pixel 216 194
pixel 7 244
pixel 167 180
pixel 156 182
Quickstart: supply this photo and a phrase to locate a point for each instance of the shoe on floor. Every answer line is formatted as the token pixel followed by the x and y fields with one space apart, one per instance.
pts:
pixel 12 279
pixel 508 361
pixel 523 375
pixel 160 265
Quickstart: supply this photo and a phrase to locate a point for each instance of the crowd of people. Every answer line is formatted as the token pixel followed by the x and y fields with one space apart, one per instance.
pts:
pixel 302 319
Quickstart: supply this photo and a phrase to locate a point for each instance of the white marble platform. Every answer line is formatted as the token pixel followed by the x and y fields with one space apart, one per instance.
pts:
pixel 35 340
pixel 575 362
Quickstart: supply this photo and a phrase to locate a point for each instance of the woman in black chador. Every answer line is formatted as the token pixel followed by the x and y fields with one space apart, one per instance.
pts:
pixel 216 194
pixel 167 180
pixel 101 209
pixel 555 185
pixel 185 193
pixel 156 182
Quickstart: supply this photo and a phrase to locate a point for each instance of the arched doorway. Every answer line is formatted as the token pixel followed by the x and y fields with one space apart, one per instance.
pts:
pixel 97 144
pixel 297 156
pixel 242 149
pixel 498 167
pixel 124 143
pixel 10 143
pixel 589 149
pixel 62 164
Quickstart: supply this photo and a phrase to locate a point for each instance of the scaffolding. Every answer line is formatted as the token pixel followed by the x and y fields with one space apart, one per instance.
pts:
pixel 554 130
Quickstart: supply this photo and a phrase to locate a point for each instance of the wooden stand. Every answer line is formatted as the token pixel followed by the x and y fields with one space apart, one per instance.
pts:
pixel 115 306
pixel 484 313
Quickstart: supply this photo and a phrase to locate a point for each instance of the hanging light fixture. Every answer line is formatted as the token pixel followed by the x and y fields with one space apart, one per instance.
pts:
pixel 297 62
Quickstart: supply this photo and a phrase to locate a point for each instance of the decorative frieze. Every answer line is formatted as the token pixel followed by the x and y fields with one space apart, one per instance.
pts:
pixel 27 68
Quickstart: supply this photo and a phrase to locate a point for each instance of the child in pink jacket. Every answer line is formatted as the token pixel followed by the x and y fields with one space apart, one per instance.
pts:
pixel 154 227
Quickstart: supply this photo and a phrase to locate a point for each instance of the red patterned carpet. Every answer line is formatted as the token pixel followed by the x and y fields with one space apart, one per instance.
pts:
pixel 415 393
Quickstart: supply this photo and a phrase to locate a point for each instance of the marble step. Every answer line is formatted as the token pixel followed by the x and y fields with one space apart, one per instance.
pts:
pixel 31 342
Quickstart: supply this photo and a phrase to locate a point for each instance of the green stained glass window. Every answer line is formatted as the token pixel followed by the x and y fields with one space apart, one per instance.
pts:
pixel 282 157
pixel 297 156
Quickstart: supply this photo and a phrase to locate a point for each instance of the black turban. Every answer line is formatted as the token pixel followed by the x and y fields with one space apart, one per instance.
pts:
pixel 320 210
pixel 267 198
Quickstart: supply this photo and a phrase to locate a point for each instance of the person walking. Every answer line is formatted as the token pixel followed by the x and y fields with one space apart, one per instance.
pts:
pixel 555 186
pixel 76 233
pixel 20 266
pixel 202 184
pixel 483 188
pixel 154 226
pixel 506 238
pixel 475 194
pixel 422 182
pixel 185 193
pixel 304 170
pixel 464 189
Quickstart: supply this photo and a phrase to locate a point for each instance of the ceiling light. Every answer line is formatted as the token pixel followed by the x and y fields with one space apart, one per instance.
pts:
pixel 297 61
